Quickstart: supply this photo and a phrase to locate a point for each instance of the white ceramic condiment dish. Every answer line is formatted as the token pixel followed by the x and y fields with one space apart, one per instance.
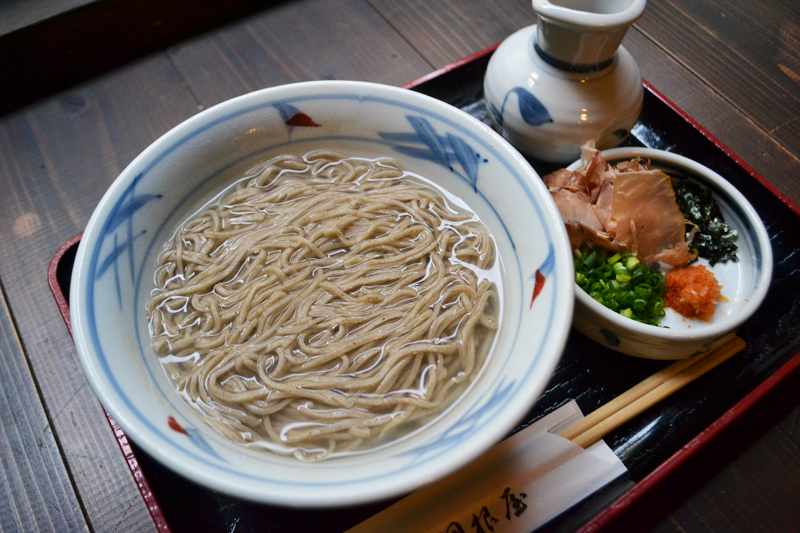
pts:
pixel 744 283
pixel 182 170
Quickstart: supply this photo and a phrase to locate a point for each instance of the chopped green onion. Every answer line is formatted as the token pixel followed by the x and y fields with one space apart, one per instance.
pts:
pixel 643 291
pixel 623 276
pixel 589 260
pixel 622 283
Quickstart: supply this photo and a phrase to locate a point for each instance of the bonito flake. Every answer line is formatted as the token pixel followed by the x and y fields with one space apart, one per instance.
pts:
pixel 627 207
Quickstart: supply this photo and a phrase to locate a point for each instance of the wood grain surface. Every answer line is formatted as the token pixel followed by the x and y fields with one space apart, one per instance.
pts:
pixel 36 493
pixel 57 160
pixel 750 55
pixel 731 64
pixel 444 32
pixel 742 135
pixel 68 41
pixel 299 41
pixel 17 14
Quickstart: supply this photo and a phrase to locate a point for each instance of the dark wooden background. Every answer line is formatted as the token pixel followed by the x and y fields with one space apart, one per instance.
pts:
pixel 84 89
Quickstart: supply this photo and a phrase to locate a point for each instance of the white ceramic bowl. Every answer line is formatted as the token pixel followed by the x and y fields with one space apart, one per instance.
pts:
pixel 744 283
pixel 191 163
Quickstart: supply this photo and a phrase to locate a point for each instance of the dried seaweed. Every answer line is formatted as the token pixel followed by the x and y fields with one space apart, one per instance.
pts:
pixel 706 229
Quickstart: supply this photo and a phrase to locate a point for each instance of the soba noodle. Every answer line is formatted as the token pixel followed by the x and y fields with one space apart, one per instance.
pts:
pixel 322 302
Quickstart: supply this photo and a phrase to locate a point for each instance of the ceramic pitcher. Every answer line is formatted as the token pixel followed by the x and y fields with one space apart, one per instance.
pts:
pixel 566 80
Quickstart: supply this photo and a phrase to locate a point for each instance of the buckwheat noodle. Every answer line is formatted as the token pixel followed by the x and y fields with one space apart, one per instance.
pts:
pixel 322 302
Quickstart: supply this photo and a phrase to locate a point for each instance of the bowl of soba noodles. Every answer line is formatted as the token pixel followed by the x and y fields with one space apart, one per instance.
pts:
pixel 322 294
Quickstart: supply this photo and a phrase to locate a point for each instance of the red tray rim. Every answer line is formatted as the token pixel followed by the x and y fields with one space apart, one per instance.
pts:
pixel 633 495
pixel 122 440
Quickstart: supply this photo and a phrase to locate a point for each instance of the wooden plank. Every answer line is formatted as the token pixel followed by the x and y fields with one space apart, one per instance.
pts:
pixel 16 14
pixel 56 160
pixel 35 490
pixel 714 112
pixel 791 5
pixel 53 54
pixel 748 51
pixel 301 41
pixel 446 31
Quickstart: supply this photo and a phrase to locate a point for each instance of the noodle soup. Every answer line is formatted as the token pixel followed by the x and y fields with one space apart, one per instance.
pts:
pixel 325 305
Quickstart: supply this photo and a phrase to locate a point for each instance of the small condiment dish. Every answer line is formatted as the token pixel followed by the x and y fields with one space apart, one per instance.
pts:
pixel 744 283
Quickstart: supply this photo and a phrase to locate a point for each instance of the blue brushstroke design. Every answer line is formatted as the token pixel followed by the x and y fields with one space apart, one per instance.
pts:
pixel 397 137
pixel 117 283
pixel 549 264
pixel 127 205
pixel 111 259
pixel 467 158
pixel 610 337
pixel 497 115
pixel 286 111
pixel 417 153
pixel 197 439
pixel 533 112
pixel 428 135
pixel 446 150
pixel 125 213
pixel 122 215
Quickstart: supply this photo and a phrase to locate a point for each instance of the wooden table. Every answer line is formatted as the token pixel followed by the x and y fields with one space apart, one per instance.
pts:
pixel 733 65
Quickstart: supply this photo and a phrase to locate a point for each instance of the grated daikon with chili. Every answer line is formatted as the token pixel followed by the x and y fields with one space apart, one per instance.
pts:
pixel 693 292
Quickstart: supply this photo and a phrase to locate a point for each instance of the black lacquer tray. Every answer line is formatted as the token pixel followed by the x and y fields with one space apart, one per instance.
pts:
pixel 667 450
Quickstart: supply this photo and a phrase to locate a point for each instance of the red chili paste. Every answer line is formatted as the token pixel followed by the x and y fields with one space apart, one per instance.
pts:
pixel 693 292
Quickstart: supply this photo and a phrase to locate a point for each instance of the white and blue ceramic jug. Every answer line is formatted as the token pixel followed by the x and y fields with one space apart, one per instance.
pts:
pixel 566 80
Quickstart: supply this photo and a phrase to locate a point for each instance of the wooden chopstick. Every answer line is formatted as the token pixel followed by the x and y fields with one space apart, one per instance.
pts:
pixel 647 393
